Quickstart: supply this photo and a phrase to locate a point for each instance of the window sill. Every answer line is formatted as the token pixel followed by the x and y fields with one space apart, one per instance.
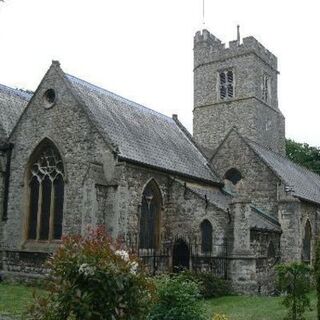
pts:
pixel 40 245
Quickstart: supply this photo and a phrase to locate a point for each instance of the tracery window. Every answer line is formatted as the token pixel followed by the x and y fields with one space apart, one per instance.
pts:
pixel 306 253
pixel 226 84
pixel 150 217
pixel 206 236
pixel 46 186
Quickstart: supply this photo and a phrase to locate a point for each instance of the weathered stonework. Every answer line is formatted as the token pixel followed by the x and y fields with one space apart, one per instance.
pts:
pixel 123 163
pixel 81 148
pixel 260 188
pixel 254 118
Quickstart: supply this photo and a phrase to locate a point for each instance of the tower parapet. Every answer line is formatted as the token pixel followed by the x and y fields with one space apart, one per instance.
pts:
pixel 236 85
pixel 215 50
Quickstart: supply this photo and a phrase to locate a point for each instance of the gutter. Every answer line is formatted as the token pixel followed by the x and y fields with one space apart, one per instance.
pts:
pixel 172 172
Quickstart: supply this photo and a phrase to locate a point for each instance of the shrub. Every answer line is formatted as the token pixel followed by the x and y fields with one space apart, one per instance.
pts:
pixel 210 285
pixel 294 281
pixel 177 299
pixel 93 278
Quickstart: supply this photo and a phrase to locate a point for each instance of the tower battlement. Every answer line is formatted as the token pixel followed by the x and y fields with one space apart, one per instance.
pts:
pixel 236 85
pixel 210 49
pixel 204 37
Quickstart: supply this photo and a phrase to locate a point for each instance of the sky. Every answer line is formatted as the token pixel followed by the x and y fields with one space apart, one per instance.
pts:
pixel 142 49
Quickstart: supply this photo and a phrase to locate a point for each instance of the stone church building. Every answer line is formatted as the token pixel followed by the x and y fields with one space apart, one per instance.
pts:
pixel 225 199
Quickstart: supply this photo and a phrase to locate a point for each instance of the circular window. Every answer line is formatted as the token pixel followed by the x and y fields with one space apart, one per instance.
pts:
pixel 49 98
pixel 233 175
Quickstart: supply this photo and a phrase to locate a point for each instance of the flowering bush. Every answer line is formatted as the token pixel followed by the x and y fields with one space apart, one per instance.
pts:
pixel 94 278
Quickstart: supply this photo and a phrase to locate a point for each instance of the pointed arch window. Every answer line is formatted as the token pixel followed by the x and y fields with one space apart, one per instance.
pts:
pixel 306 254
pixel 206 236
pixel 149 235
pixel 46 186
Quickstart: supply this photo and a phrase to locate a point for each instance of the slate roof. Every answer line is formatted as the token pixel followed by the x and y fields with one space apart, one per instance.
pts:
pixel 305 184
pixel 260 220
pixel 216 197
pixel 142 135
pixel 12 103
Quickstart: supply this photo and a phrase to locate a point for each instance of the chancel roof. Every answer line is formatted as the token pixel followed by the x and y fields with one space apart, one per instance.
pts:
pixel 142 135
pixel 12 103
pixel 302 183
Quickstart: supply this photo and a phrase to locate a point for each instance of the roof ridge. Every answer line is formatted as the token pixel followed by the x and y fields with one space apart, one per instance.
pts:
pixel 18 92
pixel 136 104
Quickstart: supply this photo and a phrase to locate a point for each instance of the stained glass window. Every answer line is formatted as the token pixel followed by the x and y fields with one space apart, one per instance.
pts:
pixel 34 199
pixel 206 236
pixel 46 193
pixel 150 217
pixel 306 254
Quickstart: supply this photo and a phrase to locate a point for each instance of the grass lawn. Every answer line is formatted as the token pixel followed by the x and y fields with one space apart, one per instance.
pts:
pixel 15 298
pixel 253 308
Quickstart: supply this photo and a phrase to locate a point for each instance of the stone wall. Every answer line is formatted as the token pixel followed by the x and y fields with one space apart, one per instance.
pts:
pixel 84 155
pixel 259 183
pixel 182 211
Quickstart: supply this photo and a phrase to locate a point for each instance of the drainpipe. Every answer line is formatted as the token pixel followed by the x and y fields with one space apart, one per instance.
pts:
pixel 7 147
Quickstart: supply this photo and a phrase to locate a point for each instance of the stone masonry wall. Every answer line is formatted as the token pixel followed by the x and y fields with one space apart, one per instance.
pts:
pixel 80 145
pixel 259 183
pixel 182 211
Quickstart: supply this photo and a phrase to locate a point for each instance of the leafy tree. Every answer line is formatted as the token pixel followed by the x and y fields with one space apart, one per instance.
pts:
pixel 294 281
pixel 304 154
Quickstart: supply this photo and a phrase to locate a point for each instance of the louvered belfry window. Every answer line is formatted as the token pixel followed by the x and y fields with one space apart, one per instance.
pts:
pixel 206 236
pixel 226 84
pixel 46 185
pixel 149 230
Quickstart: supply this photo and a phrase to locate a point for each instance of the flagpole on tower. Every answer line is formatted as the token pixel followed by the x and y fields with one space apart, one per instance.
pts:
pixel 203 14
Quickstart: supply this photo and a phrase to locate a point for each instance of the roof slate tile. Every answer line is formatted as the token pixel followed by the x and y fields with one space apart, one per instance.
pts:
pixel 142 135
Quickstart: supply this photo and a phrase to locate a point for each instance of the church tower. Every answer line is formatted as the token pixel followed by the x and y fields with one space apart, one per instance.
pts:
pixel 236 86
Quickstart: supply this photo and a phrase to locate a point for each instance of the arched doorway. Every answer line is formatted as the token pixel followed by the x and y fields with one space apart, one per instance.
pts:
pixel 181 256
